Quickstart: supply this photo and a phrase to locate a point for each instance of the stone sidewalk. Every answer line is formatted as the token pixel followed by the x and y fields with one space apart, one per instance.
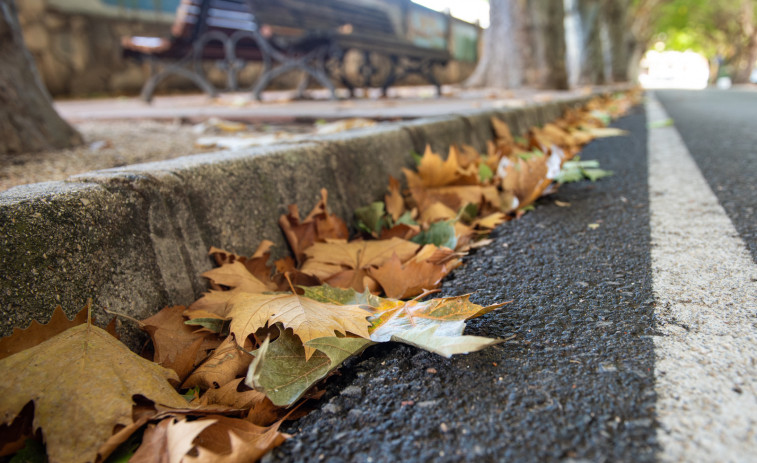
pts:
pixel 403 103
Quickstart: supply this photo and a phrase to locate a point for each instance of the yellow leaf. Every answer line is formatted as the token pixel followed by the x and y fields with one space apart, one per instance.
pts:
pixel 308 318
pixel 345 264
pixel 81 382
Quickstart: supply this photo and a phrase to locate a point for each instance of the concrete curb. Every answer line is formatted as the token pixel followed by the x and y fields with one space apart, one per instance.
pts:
pixel 134 239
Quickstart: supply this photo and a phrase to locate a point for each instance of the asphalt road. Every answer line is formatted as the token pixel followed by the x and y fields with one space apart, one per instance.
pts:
pixel 576 382
pixel 720 130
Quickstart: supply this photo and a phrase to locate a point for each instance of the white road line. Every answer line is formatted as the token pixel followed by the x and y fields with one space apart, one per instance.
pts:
pixel 705 283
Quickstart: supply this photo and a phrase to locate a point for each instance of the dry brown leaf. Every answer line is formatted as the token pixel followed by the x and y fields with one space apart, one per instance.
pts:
pixel 308 318
pixel 169 440
pixel 402 231
pixel 502 131
pixel 526 179
pixel 37 332
pixel 468 156
pixel 402 281
pixel 345 265
pixel 234 275
pixel 233 440
pixel 225 363
pixel 257 264
pixel 81 382
pixel 395 203
pixel 177 346
pixel 318 226
pixel 437 211
pixel 435 172
pixel 287 272
pixel 491 221
pixel 236 394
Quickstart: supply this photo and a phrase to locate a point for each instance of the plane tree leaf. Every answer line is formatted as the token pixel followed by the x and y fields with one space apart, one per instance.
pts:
pixel 37 332
pixel 282 372
pixel 310 319
pixel 425 313
pixel 81 382
pixel 233 440
pixel 178 346
pixel 445 339
pixel 318 226
pixel 225 363
pixel 346 264
pixel 169 440
pixel 395 203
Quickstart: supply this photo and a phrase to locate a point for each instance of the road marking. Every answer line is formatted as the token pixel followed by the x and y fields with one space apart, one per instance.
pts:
pixel 705 284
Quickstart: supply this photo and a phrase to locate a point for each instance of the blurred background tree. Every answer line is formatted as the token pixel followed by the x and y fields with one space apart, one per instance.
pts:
pixel 722 30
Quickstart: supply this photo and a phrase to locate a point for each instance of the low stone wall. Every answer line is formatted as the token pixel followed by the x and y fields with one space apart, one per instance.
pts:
pixel 78 53
pixel 134 239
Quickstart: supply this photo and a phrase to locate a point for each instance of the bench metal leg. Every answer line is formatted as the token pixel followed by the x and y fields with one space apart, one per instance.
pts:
pixel 288 64
pixel 148 89
pixel 423 68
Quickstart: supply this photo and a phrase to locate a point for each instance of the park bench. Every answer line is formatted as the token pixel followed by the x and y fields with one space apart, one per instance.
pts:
pixel 285 35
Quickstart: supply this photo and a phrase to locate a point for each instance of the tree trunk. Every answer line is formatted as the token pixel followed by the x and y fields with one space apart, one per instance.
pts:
pixel 592 65
pixel 28 121
pixel 621 43
pixel 524 44
pixel 500 65
pixel 744 60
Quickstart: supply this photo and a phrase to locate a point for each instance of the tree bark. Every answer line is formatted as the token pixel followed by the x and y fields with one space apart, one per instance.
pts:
pixel 592 64
pixel 616 17
pixel 28 121
pixel 501 65
pixel 524 45
pixel 744 59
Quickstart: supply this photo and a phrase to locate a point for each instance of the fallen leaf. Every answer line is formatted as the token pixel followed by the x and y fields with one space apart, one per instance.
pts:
pixel 604 132
pixel 444 339
pixel 395 203
pixel 593 226
pixel 318 226
pixel 284 374
pixel 441 234
pixel 36 332
pixel 308 318
pixel 236 394
pixel 424 313
pixel 435 172
pixel 235 276
pixel 346 264
pixel 234 440
pixel 501 131
pixel 370 218
pixel 344 296
pixel 222 366
pixel 491 221
pixel 257 264
pixel 77 420
pixel 559 203
pixel 177 345
pixel 169 440
pixel 402 281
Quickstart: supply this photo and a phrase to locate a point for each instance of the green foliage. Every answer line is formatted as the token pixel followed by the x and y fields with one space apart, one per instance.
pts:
pixel 439 233
pixel 371 218
pixel 709 27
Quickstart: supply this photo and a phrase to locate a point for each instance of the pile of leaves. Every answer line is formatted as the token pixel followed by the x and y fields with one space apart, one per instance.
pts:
pixel 225 372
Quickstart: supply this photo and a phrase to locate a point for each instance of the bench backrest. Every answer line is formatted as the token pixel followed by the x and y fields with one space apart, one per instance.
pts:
pixel 195 17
